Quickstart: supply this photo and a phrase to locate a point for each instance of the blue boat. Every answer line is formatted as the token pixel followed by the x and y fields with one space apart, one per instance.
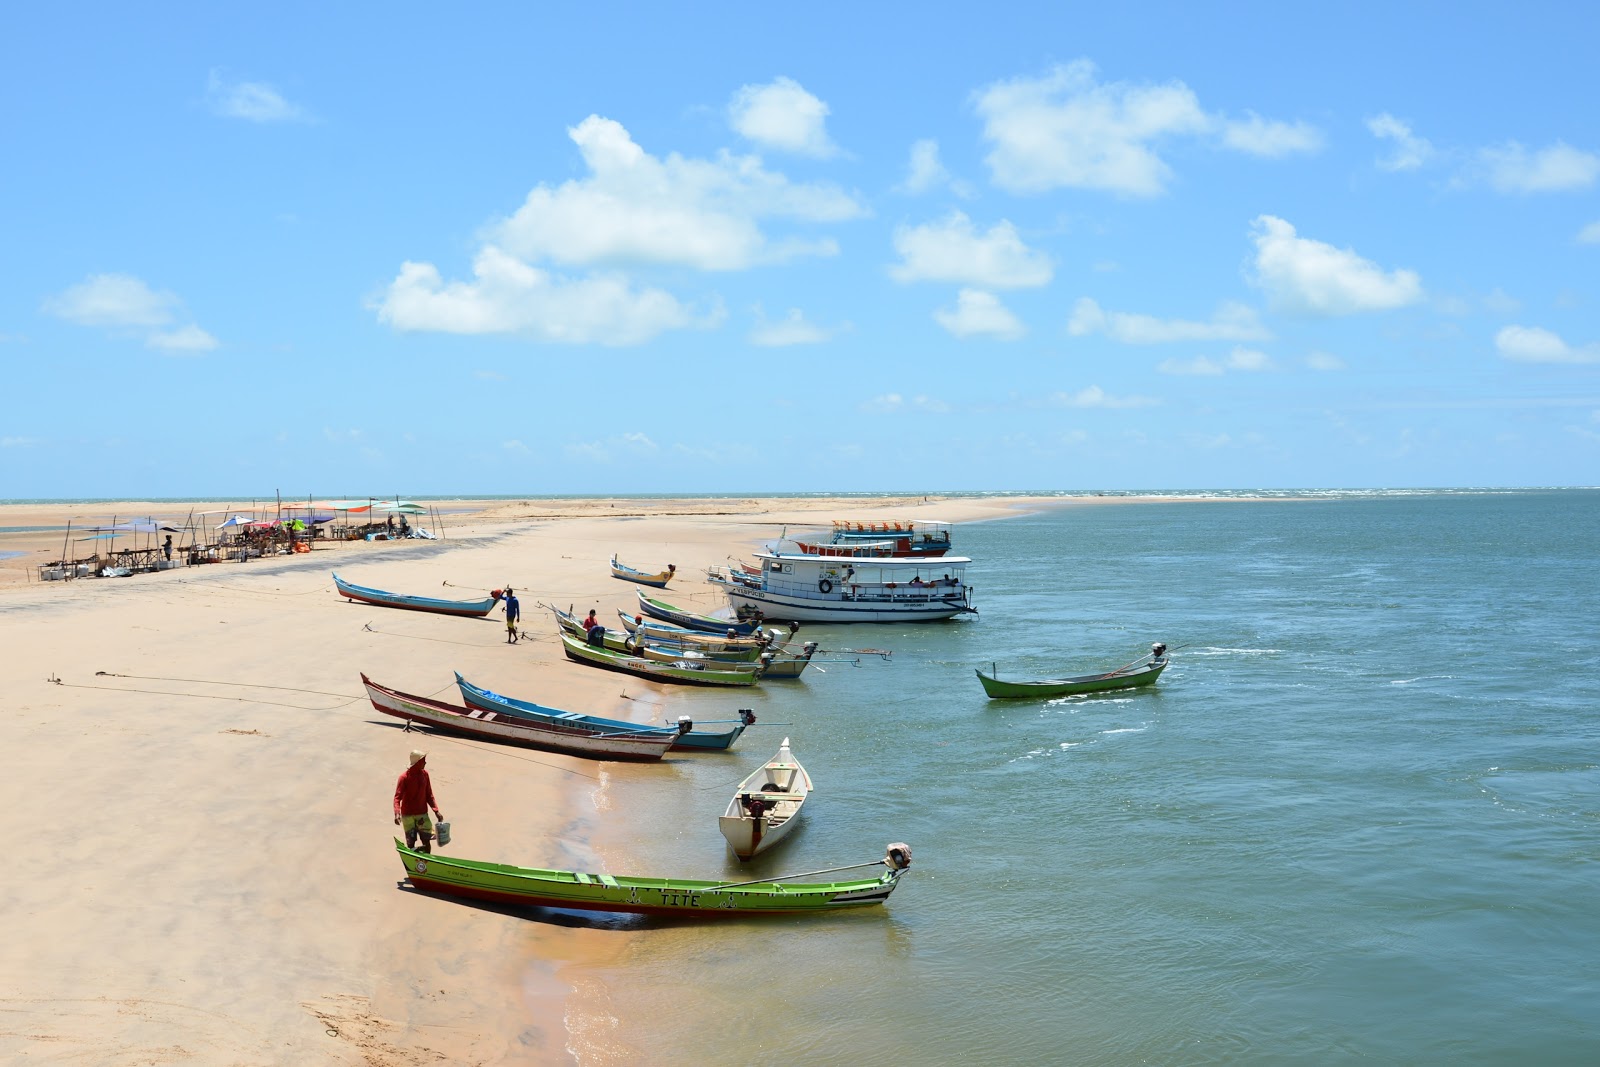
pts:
pixel 696 737
pixel 475 609
pixel 689 620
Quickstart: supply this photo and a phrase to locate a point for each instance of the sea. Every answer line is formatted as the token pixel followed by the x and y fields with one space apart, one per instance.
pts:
pixel 1356 821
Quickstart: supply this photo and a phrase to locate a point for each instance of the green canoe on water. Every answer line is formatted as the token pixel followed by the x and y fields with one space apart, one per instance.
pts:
pixel 1133 676
pixel 506 884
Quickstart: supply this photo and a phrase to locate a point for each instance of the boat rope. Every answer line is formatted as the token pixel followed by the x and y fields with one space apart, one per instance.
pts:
pixel 202 696
pixel 208 681
pixel 415 637
pixel 787 877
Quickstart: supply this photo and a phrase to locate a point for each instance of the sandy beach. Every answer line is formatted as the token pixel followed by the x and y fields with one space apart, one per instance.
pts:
pixel 202 795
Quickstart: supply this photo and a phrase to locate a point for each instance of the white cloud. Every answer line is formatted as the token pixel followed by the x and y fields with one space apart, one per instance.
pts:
pixel 793 329
pixel 1267 137
pixel 1199 366
pixel 1232 322
pixel 1248 359
pixel 951 250
pixel 1240 359
pixel 20 442
pixel 1590 234
pixel 1096 397
pixel 625 447
pixel 637 208
pixel 125 305
pixel 508 296
pixel 1513 169
pixel 1067 130
pixel 1316 278
pixel 782 115
pixel 252 101
pixel 516 447
pixel 1410 151
pixel 979 313
pixel 889 403
pixel 1324 361
pixel 1533 344
pixel 925 172
pixel 189 338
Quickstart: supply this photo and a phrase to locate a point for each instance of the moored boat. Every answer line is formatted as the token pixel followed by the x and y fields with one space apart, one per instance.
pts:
pixel 924 538
pixel 801 587
pixel 506 884
pixel 680 672
pixel 692 620
pixel 571 738
pixel 1142 672
pixel 629 574
pixel 766 804
pixel 699 736
pixel 469 608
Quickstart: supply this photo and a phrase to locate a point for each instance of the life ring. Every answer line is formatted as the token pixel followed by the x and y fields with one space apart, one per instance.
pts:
pixel 825 586
pixel 301 546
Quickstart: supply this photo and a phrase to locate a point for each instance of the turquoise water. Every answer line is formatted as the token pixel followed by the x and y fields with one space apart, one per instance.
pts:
pixel 1358 820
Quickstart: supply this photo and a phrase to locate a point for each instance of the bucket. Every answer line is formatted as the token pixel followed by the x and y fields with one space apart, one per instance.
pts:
pixel 444 833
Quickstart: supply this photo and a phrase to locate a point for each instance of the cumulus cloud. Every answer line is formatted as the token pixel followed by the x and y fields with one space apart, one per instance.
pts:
pixel 625 446
pixel 978 313
pixel 1309 276
pixel 509 296
pixel 1533 344
pixel 782 115
pixel 793 329
pixel 126 306
pixel 1096 397
pixel 1240 359
pixel 251 101
pixel 889 403
pixel 1324 361
pixel 952 250
pixel 1068 130
pixel 1232 322
pixel 925 172
pixel 1408 151
pixel 1590 234
pixel 635 208
pixel 1511 168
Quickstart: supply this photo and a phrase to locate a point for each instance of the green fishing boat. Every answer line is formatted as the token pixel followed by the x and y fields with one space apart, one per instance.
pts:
pixel 682 672
pixel 505 884
pixel 1135 675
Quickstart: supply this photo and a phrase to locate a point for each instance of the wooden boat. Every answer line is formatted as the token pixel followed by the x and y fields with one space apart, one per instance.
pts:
pixel 691 620
pixel 666 646
pixel 786 664
pixel 505 884
pixel 476 609
pixel 1140 673
pixel 572 738
pixel 696 737
pixel 766 804
pixel 678 672
pixel 664 633
pixel 629 574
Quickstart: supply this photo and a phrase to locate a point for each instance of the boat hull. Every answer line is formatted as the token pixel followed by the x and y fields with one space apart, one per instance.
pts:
pixel 672 673
pixel 779 606
pixel 658 580
pixel 475 609
pixel 590 742
pixel 505 884
pixel 1060 687
pixel 780 786
pixel 697 738
pixel 691 620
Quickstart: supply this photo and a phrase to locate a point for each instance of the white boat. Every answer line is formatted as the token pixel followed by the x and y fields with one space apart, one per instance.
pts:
pixel 801 587
pixel 766 804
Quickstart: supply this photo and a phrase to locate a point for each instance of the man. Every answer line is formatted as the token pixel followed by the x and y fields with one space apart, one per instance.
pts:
pixel 166 547
pixel 413 796
pixel 513 613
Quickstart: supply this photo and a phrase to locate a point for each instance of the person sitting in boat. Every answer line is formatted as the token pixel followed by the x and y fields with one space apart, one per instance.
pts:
pixel 590 622
pixel 917 582
pixel 595 635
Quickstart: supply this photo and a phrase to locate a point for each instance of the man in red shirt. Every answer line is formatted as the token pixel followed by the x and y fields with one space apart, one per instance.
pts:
pixel 413 796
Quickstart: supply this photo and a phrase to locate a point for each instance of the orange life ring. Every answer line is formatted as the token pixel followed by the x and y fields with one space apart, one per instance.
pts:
pixel 301 546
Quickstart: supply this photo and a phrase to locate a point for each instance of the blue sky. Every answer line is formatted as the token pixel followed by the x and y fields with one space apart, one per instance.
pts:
pixel 563 249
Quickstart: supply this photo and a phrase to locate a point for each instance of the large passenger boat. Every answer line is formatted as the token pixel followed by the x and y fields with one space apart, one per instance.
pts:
pixel 795 585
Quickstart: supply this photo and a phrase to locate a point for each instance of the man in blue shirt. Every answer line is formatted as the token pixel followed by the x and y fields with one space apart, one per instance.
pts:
pixel 513 613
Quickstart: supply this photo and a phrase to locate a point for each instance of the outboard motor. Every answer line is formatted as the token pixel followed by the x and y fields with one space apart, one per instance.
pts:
pixel 808 649
pixel 685 724
pixel 897 857
pixel 747 716
pixel 1158 649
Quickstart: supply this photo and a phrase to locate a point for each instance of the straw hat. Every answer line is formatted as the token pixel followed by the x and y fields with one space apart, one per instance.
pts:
pixel 417 755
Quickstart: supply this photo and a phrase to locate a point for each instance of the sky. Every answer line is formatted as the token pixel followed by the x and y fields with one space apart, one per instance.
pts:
pixel 363 250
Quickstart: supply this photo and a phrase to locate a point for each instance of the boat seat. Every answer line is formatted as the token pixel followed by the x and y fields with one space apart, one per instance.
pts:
pixel 584 878
pixel 606 879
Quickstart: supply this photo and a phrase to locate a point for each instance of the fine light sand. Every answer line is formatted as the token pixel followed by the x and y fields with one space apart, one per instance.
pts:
pixel 200 866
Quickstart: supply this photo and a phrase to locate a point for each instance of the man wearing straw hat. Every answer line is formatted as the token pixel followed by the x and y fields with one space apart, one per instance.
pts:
pixel 413 796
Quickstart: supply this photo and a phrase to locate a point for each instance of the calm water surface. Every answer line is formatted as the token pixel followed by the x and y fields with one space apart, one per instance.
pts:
pixel 1358 819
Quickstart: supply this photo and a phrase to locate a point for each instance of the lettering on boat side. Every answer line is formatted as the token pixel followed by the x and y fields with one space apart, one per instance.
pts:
pixel 680 898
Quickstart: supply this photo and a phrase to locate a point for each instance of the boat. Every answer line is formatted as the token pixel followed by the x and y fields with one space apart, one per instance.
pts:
pixel 785 664
pixel 691 620
pixel 925 538
pixel 629 574
pixel 476 609
pixel 680 671
pixel 571 738
pixel 581 891
pixel 766 804
pixel 666 646
pixel 801 587
pixel 696 737
pixel 660 632
pixel 1142 672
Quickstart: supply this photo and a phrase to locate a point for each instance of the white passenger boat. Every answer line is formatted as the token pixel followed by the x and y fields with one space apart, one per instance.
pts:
pixel 801 587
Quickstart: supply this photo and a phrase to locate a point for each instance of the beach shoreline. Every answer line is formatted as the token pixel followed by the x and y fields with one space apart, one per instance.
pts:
pixel 219 708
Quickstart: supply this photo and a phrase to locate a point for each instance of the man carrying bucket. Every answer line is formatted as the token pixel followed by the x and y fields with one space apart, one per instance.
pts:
pixel 413 796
